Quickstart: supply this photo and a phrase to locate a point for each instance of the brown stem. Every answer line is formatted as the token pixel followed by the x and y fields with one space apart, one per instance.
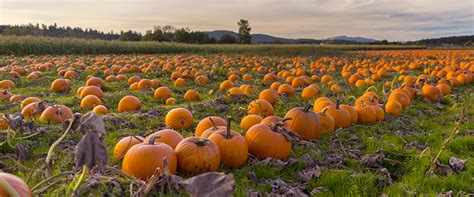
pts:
pixel 277 124
pixel 285 119
pixel 202 142
pixel 227 133
pixel 152 139
pixel 213 123
pixel 337 103
pixel 306 109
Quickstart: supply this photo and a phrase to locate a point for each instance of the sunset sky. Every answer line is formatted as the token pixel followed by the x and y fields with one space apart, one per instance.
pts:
pixel 379 19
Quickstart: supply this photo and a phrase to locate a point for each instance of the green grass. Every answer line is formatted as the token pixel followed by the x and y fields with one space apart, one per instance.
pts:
pixel 422 122
pixel 11 45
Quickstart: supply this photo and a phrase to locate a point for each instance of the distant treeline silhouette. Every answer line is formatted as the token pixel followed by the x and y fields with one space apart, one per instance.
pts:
pixel 169 33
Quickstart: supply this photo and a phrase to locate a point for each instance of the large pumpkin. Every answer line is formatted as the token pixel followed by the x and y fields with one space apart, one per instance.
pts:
pixel 15 183
pixel 197 155
pixel 266 140
pixel 232 146
pixel 305 122
pixel 143 159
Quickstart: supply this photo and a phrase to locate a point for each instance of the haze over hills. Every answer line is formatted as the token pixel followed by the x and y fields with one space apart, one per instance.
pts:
pixel 264 38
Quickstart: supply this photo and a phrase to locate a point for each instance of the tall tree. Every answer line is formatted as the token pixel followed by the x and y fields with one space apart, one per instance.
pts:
pixel 244 32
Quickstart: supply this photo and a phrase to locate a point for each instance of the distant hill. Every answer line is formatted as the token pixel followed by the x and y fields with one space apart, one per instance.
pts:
pixel 350 39
pixel 262 38
pixel 451 40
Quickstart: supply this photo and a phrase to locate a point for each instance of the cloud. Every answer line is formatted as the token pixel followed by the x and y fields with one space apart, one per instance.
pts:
pixel 381 19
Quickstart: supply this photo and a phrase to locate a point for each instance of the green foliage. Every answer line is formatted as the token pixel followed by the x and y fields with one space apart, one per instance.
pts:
pixel 244 32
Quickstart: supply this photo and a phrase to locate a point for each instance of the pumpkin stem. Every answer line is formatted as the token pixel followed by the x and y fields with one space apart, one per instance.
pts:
pixel 227 133
pixel 306 109
pixel 202 142
pixel 165 166
pixel 338 101
pixel 152 139
pixel 277 124
pixel 285 119
pixel 326 109
pixel 213 123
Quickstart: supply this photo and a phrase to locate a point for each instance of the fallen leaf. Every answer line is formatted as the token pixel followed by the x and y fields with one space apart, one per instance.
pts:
pixel 443 169
pixel 210 184
pixel 374 161
pixel 457 164
pixel 307 175
pixel 319 190
pixel 91 150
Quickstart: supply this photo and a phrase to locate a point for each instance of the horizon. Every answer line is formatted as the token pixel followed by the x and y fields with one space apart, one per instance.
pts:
pixel 401 20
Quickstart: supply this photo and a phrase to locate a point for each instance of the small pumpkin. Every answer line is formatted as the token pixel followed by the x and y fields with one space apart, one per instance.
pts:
pixel 179 118
pixel 191 95
pixel 197 155
pixel 100 110
pixel 142 160
pixel 260 107
pixel 167 136
pixel 341 116
pixel 56 114
pixel 269 95
pixel 129 103
pixel 90 101
pixel 366 114
pixel 124 144
pixel 162 93
pixel 432 93
pixel 208 122
pixel 60 85
pixel 328 124
pixel 249 120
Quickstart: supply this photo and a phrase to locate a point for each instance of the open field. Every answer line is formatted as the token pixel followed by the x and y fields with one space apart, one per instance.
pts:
pixel 362 158
pixel 11 45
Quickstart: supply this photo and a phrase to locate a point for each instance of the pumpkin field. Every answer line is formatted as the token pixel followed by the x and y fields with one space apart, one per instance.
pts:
pixel 355 122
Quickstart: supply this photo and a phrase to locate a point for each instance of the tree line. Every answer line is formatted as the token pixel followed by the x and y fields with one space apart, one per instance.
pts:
pixel 166 33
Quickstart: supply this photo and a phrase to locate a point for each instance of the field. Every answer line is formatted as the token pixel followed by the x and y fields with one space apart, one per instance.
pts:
pixel 421 150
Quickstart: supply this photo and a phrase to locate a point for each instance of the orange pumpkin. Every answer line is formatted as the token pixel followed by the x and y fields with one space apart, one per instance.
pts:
pixel 266 140
pixel 129 103
pixel 250 120
pixel 304 122
pixel 208 122
pixel 232 146
pixel 162 93
pixel 17 184
pixel 167 136
pixel 432 93
pixel 90 101
pixel 260 107
pixel 56 114
pixel 142 160
pixel 269 95
pixel 179 118
pixel 197 155
pixel 366 114
pixel 60 85
pixel 124 144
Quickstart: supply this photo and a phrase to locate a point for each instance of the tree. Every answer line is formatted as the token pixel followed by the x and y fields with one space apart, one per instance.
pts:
pixel 130 36
pixel 227 39
pixel 244 32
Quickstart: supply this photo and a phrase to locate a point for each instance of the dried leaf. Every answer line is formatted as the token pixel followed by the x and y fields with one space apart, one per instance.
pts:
pixel 91 151
pixel 16 123
pixel 307 175
pixel 386 180
pixel 319 190
pixel 210 184
pixel 253 193
pixel 280 187
pixel 21 153
pixel 374 161
pixel 443 169
pixel 457 164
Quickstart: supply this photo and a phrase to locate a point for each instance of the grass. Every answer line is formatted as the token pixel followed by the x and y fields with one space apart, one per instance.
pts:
pixel 423 122
pixel 11 45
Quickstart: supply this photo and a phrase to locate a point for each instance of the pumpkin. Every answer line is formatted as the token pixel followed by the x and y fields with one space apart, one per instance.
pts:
pixel 180 82
pixel 197 155
pixel 170 101
pixel 304 122
pixel 400 97
pixel 269 95
pixel 56 114
pixel 328 124
pixel 235 92
pixel 15 183
pixel 5 95
pixel 208 122
pixel 249 120
pixel 91 90
pixel 266 140
pixel 6 84
pixel 124 144
pixel 191 95
pixel 366 114
pixel 432 93
pixel 60 85
pixel 100 110
pixel 445 89
pixel 393 108
pixel 16 98
pixel 142 160
pixel 380 113
pixel 167 136
pixel 95 81
pixel 342 117
pixel 286 89
pixel 319 106
pixel 3 123
pixel 352 112
pixel 29 100
pixel 260 107
pixel 232 146
pixel 225 85
pixel 179 118
pixel 162 93
pixel 309 93
pixel 129 103
pixel 90 101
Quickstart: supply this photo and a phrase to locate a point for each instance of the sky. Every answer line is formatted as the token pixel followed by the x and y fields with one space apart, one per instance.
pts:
pixel 395 20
